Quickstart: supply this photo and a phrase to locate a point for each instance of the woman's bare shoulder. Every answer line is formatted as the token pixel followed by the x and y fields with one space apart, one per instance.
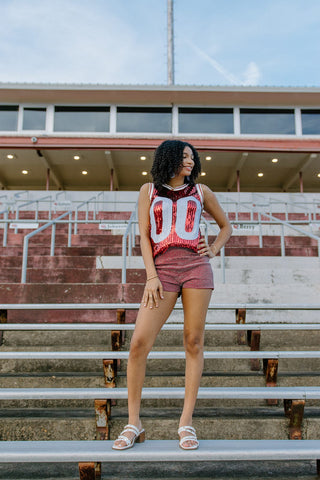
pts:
pixel 144 190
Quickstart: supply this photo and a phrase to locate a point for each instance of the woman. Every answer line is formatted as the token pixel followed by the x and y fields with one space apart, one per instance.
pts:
pixel 176 259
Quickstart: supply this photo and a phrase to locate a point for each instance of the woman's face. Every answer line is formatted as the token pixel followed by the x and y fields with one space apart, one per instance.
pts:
pixel 187 162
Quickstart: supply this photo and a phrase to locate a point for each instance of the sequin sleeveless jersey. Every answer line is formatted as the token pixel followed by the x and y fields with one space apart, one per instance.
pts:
pixel 175 217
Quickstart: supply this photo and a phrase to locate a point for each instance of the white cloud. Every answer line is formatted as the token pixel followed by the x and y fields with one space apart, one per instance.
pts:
pixel 214 63
pixel 73 41
pixel 252 74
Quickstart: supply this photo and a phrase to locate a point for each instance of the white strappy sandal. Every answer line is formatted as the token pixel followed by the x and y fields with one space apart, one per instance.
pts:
pixel 188 438
pixel 139 437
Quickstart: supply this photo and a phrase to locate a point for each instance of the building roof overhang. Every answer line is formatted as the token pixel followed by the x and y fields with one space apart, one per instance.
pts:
pixel 158 94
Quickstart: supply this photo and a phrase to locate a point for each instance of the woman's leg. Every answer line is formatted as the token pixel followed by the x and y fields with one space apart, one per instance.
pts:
pixel 148 325
pixel 195 305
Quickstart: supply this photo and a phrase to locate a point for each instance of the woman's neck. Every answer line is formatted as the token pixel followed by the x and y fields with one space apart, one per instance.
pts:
pixel 176 182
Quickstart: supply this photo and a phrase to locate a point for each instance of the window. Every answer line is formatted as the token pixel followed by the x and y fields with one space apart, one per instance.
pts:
pixel 144 119
pixel 8 118
pixel 267 121
pixel 310 122
pixel 205 120
pixel 81 119
pixel 34 118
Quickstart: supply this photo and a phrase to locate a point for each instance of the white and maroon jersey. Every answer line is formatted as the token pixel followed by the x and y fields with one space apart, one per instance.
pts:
pixel 175 217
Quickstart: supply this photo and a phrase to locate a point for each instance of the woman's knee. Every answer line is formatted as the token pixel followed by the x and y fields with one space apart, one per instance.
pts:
pixel 193 343
pixel 139 346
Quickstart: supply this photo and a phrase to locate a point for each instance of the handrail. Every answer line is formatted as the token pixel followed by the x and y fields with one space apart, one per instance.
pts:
pixel 37 207
pixel 40 229
pixel 16 195
pixel 124 245
pixel 6 223
pixel 284 223
pixel 86 202
pixel 222 251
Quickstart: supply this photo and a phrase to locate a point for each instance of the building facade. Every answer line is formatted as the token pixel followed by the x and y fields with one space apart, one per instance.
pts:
pixel 102 137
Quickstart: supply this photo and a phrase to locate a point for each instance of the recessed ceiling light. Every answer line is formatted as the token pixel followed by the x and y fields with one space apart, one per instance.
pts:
pixel 208 158
pixel 203 174
pixel 275 160
pixel 143 157
pixel 10 156
pixel 84 172
pixel 260 174
pixel 76 157
pixel 144 173
pixel 25 172
pixel 318 175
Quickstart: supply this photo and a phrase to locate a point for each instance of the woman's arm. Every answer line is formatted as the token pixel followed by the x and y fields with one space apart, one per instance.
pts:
pixel 153 290
pixel 212 206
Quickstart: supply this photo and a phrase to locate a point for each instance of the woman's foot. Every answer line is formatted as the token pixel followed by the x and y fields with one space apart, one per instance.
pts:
pixel 188 438
pixel 128 437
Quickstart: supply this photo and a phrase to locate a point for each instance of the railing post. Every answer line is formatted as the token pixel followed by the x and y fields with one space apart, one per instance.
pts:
pixel 223 264
pixel 6 226
pixel 70 230
pixel 75 231
pixel 24 260
pixel 283 250
pixel 260 230
pixel 124 260
pixel 53 239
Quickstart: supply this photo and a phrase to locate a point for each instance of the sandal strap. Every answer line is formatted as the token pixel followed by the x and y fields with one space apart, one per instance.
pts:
pixel 188 429
pixel 125 439
pixel 130 428
pixel 188 439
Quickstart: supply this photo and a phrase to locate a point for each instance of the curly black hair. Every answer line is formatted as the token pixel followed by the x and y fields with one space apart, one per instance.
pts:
pixel 168 159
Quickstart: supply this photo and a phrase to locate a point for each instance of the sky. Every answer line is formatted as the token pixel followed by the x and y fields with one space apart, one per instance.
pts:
pixel 216 42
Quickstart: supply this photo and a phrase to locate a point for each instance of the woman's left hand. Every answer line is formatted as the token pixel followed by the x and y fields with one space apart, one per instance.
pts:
pixel 204 249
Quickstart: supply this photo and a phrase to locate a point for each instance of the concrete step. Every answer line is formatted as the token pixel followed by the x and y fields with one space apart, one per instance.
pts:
pixel 262 470
pixel 153 365
pixel 210 423
pixel 270 339
pixel 48 262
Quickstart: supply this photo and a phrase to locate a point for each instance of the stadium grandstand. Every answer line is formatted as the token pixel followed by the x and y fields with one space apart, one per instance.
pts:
pixel 72 160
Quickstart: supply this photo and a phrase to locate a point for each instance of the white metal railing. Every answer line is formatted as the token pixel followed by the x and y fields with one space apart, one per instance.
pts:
pixel 136 306
pixel 129 234
pixel 40 229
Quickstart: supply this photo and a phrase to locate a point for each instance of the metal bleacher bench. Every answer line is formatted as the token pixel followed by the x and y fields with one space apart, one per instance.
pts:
pixel 90 454
pixel 87 453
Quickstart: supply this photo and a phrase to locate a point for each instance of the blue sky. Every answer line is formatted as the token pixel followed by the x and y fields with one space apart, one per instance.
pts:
pixel 217 42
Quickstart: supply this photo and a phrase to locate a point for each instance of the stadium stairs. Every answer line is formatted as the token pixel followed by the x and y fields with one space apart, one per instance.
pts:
pixel 90 272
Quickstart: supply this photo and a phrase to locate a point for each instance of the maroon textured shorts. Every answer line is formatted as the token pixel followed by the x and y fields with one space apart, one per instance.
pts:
pixel 179 268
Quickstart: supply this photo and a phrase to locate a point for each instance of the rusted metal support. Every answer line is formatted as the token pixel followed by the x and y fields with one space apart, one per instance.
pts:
pixel 3 319
pixel 89 470
pixel 118 336
pixel 241 319
pixel 295 410
pixel 270 369
pixel 102 410
pixel 253 337
pixel 110 373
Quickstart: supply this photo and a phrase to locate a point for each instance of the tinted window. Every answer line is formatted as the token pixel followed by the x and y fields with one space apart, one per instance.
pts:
pixel 310 122
pixel 34 119
pixel 9 118
pixel 205 120
pixel 143 119
pixel 267 121
pixel 81 119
